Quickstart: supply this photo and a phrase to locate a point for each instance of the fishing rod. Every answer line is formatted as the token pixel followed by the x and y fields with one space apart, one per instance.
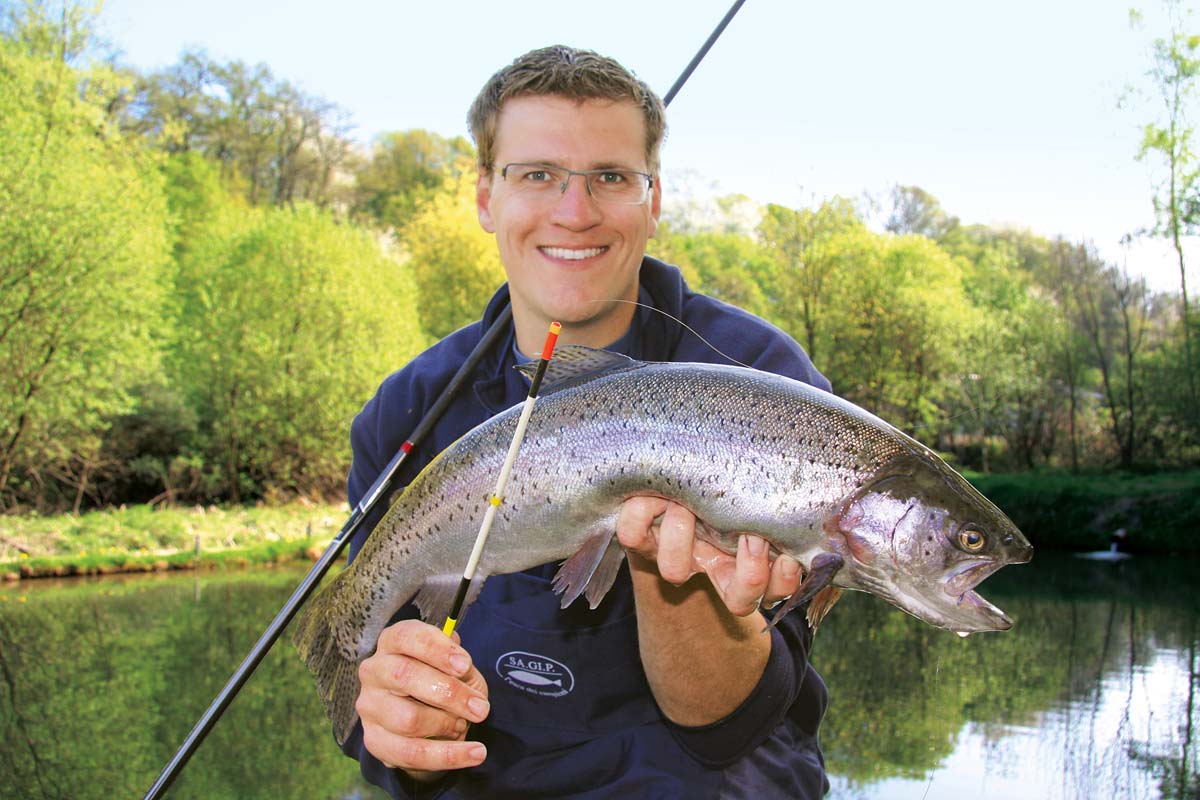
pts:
pixel 381 488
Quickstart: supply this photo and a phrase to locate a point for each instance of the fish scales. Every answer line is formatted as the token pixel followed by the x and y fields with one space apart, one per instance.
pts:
pixel 746 451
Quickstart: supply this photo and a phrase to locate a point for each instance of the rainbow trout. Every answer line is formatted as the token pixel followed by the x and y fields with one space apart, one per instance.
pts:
pixel 858 503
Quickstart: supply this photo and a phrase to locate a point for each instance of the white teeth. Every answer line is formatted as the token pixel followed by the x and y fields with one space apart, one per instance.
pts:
pixel 572 255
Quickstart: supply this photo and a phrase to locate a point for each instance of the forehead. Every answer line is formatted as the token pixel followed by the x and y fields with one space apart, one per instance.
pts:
pixel 571 132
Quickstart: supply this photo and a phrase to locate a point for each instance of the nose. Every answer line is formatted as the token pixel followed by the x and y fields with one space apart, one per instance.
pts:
pixel 575 207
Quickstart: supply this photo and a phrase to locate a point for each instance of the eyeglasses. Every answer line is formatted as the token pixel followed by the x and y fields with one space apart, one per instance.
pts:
pixel 620 186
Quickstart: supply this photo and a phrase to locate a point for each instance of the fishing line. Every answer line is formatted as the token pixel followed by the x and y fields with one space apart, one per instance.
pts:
pixel 674 318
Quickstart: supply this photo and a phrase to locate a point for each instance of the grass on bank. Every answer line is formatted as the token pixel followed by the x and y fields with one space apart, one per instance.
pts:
pixel 143 538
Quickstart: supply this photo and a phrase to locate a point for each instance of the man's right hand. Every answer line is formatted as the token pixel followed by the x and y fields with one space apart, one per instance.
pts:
pixel 419 692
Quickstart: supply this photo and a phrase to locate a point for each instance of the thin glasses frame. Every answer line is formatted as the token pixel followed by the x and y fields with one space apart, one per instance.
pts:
pixel 646 183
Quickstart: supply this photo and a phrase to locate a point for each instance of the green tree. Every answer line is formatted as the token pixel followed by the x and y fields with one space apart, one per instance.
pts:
pixel 453 259
pixel 810 249
pixel 900 309
pixel 729 266
pixel 1113 311
pixel 277 143
pixel 286 321
pixel 1010 384
pixel 1168 140
pixel 83 249
pixel 405 169
pixel 916 211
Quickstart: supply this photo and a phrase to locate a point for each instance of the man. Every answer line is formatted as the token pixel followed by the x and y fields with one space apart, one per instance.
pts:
pixel 672 687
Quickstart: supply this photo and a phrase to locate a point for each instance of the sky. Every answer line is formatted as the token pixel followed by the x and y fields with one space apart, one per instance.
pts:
pixel 1007 113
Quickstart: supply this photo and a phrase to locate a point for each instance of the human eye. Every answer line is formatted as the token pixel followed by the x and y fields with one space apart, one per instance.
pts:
pixel 537 174
pixel 614 178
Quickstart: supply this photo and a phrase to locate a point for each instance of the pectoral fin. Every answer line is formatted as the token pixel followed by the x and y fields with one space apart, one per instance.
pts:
pixel 591 570
pixel 819 577
pixel 436 596
pixel 821 605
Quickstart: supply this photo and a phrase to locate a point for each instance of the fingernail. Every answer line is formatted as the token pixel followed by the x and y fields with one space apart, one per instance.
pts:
pixel 790 567
pixel 757 546
pixel 460 663
pixel 479 707
pixel 477 753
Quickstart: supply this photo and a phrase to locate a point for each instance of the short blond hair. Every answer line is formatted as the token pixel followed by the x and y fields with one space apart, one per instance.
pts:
pixel 565 72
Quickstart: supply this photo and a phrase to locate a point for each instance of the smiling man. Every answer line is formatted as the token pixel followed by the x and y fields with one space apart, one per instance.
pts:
pixel 672 687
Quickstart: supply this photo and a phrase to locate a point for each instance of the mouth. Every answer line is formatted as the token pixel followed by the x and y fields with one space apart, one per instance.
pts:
pixel 962 585
pixel 573 253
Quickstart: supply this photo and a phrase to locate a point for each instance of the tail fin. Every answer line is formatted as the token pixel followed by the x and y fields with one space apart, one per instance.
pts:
pixel 334 665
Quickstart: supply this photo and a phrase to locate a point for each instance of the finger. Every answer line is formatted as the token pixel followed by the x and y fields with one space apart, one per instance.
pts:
pixel 384 713
pixel 404 676
pixel 425 754
pixel 634 523
pixel 784 581
pixel 425 643
pixel 751 575
pixel 676 536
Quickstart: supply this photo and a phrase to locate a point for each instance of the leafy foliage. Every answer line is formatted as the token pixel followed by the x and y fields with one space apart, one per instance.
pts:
pixel 454 262
pixel 268 352
pixel 83 257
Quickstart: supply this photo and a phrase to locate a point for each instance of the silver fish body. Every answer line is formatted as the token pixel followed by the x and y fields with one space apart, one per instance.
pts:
pixel 746 451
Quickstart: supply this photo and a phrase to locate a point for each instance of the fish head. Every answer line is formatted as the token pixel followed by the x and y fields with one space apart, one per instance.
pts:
pixel 922 538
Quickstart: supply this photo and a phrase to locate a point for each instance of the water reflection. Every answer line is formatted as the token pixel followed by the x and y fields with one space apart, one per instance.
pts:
pixel 101 680
pixel 1091 695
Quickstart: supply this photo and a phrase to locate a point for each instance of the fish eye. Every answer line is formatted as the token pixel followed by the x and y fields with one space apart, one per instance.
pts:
pixel 971 540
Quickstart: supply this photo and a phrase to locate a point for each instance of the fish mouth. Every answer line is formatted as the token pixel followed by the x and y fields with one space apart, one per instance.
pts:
pixel 961 587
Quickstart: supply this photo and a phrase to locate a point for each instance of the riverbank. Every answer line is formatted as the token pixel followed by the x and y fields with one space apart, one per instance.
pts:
pixel 1159 511
pixel 146 539
pixel 1056 510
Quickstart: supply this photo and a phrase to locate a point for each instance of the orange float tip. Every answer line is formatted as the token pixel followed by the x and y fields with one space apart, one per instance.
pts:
pixel 551 339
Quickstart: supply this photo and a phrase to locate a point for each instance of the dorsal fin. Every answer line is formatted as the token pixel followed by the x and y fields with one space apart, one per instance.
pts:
pixel 574 364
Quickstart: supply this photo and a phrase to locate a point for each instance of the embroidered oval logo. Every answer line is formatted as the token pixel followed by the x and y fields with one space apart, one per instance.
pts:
pixel 535 674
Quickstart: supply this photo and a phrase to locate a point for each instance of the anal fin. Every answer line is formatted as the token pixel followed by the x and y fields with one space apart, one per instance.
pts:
pixel 591 570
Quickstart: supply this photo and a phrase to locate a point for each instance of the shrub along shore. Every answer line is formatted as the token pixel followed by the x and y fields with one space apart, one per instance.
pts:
pixel 1057 510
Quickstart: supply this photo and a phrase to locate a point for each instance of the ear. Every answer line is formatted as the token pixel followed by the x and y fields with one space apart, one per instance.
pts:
pixel 483 200
pixel 655 206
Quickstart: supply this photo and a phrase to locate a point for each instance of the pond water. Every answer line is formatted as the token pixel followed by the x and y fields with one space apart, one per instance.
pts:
pixel 1091 695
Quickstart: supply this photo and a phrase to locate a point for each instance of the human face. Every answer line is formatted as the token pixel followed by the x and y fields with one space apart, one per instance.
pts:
pixel 568 257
